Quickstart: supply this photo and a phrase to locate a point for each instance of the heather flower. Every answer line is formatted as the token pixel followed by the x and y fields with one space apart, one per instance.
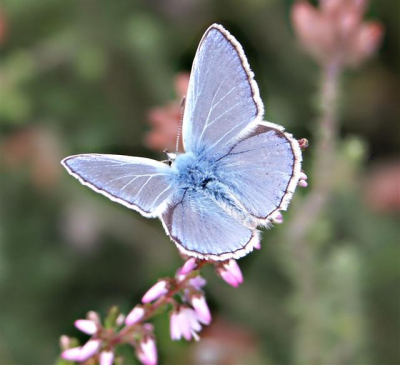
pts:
pixel 200 306
pixel 135 316
pixel 120 320
pixel 106 358
pixel 188 267
pixel 335 32
pixel 156 291
pixel 65 342
pixel 73 354
pixel 86 326
pixel 82 353
pixel 93 316
pixel 197 282
pixel 184 323
pixel 277 218
pixel 231 273
pixel 302 181
pixel 147 351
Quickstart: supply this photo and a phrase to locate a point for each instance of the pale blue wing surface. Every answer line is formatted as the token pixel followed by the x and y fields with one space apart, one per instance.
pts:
pixel 138 183
pixel 223 98
pixel 201 228
pixel 262 170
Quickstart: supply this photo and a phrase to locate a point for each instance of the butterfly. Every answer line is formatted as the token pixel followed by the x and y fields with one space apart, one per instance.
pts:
pixel 237 171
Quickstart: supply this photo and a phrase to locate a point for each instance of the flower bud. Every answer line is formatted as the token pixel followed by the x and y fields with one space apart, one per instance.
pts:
pixel 106 358
pixel 189 266
pixel 233 267
pixel 156 291
pixel 135 315
pixel 73 354
pixel 147 352
pixel 86 326
pixel 277 218
pixel 89 349
pixel 200 306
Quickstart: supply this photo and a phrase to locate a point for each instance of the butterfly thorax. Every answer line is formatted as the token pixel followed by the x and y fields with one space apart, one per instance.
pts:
pixel 201 175
pixel 192 172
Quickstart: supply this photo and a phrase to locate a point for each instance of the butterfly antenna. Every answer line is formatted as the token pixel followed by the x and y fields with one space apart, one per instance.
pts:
pixel 178 137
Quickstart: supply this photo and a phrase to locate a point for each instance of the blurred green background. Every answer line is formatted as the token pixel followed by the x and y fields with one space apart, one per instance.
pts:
pixel 82 76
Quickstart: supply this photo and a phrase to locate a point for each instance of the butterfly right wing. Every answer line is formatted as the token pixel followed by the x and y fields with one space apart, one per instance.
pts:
pixel 223 98
pixel 201 228
pixel 262 170
pixel 138 183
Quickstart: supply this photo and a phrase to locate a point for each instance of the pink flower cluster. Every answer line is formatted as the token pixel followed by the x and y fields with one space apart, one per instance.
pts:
pixel 94 347
pixel 336 31
pixel 189 314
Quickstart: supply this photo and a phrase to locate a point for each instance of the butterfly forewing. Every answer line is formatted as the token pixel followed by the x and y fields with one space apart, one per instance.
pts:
pixel 222 99
pixel 138 183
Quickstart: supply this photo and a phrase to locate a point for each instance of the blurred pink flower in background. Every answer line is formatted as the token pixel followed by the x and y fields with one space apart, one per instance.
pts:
pixel 226 343
pixel 336 31
pixel 37 149
pixel 382 188
pixel 165 120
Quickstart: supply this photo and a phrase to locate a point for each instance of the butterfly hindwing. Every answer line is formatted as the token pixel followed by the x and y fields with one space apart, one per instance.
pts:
pixel 141 184
pixel 262 170
pixel 223 98
pixel 201 228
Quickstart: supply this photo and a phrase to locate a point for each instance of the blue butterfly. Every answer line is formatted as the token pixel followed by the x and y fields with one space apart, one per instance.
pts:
pixel 237 171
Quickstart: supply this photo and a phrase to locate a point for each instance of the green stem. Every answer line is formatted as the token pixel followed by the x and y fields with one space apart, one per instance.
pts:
pixel 300 255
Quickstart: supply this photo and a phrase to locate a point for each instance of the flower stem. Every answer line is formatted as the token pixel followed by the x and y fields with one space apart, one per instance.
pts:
pixel 300 255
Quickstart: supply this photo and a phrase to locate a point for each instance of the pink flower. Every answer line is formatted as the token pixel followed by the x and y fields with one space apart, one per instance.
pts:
pixel 302 181
pixel 106 358
pixel 83 353
pixel 335 32
pixel 188 266
pixel 156 291
pixel 65 342
pixel 184 323
pixel 197 283
pixel 73 354
pixel 86 326
pixel 165 120
pixel 135 315
pixel 277 218
pixel 200 306
pixel 231 273
pixel 147 351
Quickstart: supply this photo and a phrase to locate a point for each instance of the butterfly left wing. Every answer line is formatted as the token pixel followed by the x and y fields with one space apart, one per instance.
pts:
pixel 262 170
pixel 138 183
pixel 201 228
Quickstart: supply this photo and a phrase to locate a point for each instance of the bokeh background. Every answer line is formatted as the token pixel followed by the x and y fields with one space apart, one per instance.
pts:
pixel 83 76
